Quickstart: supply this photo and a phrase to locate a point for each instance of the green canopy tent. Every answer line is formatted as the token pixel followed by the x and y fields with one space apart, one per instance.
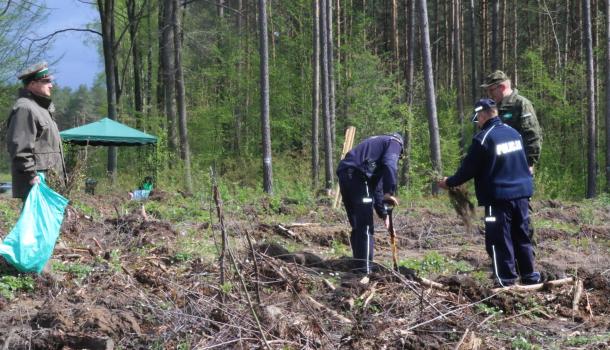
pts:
pixel 107 132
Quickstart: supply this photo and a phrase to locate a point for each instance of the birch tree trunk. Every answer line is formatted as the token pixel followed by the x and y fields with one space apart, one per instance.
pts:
pixel 328 148
pixel 591 127
pixel 435 145
pixel 185 152
pixel 264 81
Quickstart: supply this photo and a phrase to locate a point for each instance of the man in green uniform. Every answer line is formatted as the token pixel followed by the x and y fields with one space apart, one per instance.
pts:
pixel 517 112
pixel 32 136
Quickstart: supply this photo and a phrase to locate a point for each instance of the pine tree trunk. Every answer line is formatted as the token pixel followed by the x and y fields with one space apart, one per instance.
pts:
pixel 435 145
pixel 185 152
pixel 450 14
pixel 395 39
pixel 409 72
pixel 237 144
pixel 161 70
pixel 106 10
pixel 315 97
pixel 331 76
pixel 264 81
pixel 607 3
pixel 136 61
pixel 495 48
pixel 166 47
pixel 473 53
pixel 591 127
pixel 515 42
pixel 502 30
pixel 457 55
pixel 149 64
pixel 221 8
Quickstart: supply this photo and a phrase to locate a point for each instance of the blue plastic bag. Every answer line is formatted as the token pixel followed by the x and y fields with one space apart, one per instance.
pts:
pixel 30 243
pixel 139 195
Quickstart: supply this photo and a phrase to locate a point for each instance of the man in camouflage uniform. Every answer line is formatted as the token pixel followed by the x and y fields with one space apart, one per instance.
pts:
pixel 32 137
pixel 517 112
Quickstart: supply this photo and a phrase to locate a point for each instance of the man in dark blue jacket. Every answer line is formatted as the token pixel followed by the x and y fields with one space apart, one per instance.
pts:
pixel 503 184
pixel 368 179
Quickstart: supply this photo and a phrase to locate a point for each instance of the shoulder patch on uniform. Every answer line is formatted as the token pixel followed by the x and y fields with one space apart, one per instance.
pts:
pixel 507 116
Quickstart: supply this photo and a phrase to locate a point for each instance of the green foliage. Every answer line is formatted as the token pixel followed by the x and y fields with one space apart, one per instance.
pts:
pixel 520 343
pixel 559 104
pixel 115 262
pixel 339 249
pixel 9 213
pixel 226 287
pixel 488 310
pixel 11 284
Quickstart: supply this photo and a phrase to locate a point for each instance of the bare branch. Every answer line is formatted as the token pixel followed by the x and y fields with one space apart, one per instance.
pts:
pixel 8 3
pixel 67 30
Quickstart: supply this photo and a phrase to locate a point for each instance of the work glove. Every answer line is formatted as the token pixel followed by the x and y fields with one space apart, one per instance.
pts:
pixel 390 201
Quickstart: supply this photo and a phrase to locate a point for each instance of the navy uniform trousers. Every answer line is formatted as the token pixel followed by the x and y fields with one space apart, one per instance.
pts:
pixel 507 239
pixel 358 202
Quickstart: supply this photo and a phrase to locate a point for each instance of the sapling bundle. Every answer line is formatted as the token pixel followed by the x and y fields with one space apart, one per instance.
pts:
pixel 460 201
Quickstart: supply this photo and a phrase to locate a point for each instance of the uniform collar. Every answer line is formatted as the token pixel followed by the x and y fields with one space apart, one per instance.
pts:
pixel 493 121
pixel 42 101
pixel 510 99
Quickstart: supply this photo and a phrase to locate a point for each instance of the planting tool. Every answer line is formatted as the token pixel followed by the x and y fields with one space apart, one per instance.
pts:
pixel 390 209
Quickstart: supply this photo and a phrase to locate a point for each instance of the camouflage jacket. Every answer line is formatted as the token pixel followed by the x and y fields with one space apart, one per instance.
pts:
pixel 32 141
pixel 518 112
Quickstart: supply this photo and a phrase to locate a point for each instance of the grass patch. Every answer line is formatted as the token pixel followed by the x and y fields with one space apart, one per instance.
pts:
pixel 582 340
pixel 76 270
pixel 435 263
pixel 194 244
pixel 556 225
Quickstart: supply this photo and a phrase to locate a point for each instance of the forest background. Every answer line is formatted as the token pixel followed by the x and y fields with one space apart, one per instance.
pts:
pixel 193 73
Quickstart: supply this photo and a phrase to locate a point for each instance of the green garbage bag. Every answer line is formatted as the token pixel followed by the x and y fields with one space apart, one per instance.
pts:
pixel 30 243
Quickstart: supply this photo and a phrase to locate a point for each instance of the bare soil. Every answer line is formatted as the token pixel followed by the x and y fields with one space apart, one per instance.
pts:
pixel 294 290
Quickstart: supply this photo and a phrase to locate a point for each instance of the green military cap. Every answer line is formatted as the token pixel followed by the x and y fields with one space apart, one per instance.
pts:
pixel 35 72
pixel 494 78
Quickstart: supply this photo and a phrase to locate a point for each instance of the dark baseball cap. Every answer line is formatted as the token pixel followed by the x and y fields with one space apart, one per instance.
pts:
pixel 494 78
pixel 481 105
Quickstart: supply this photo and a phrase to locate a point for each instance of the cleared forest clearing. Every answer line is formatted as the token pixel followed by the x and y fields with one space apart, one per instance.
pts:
pixel 121 278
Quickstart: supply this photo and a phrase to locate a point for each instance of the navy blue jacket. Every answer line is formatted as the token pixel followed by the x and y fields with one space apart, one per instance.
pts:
pixel 497 162
pixel 376 158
